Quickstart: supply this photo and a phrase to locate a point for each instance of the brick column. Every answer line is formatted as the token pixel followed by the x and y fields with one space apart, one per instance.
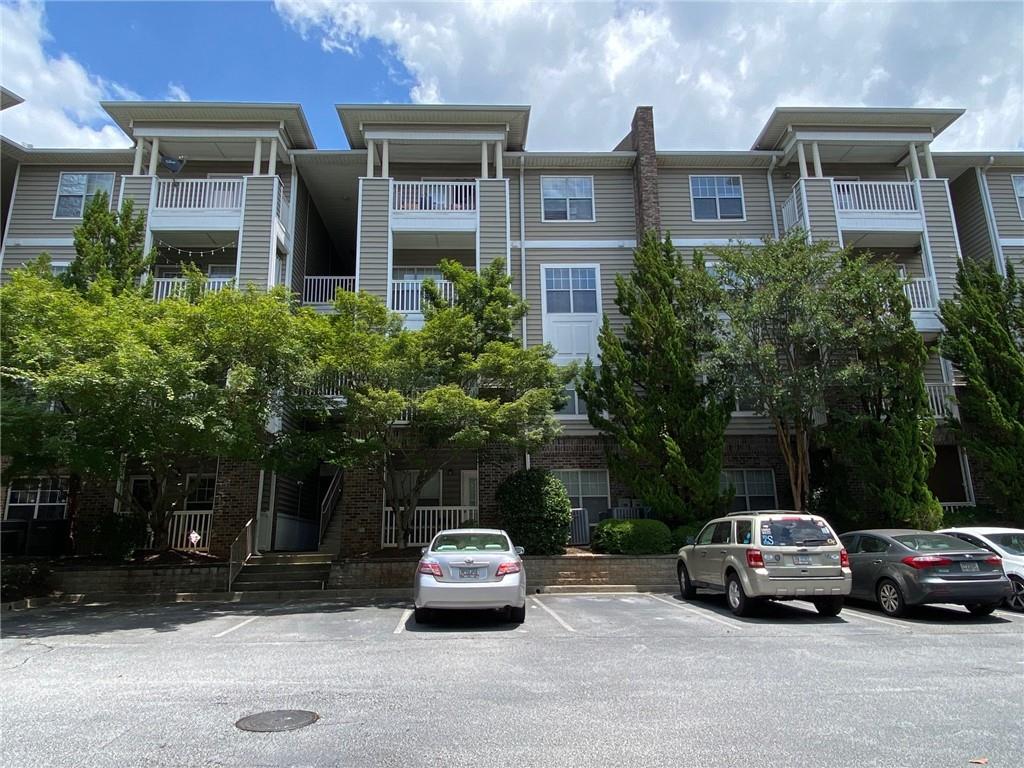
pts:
pixel 361 509
pixel 495 464
pixel 234 502
pixel 645 173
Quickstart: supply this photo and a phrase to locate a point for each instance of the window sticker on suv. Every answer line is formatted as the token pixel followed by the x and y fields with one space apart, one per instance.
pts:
pixel 795 532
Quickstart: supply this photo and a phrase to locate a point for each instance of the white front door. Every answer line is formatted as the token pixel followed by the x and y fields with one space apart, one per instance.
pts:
pixel 470 488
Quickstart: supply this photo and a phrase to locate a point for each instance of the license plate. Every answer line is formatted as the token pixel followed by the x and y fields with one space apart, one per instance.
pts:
pixel 469 573
pixel 969 567
pixel 801 559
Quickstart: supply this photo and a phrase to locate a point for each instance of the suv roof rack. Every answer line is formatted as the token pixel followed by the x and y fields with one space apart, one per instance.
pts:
pixel 741 512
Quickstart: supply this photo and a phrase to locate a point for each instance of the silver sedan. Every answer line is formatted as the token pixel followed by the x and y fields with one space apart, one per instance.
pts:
pixel 471 569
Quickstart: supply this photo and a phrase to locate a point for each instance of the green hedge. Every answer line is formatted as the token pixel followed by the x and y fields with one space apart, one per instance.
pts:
pixel 114 537
pixel 632 537
pixel 535 510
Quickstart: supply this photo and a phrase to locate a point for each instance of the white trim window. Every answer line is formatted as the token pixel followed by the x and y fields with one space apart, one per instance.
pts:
pixel 37 498
pixel 753 489
pixel 575 406
pixel 717 198
pixel 58 268
pixel 571 318
pixel 201 491
pixel 588 489
pixel 1018 192
pixel 430 493
pixel 74 190
pixel 571 290
pixel 567 198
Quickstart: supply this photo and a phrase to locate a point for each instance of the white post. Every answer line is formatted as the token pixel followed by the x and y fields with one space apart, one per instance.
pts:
pixel 483 159
pixel 929 164
pixel 817 159
pixel 369 158
pixel 499 170
pixel 385 170
pixel 257 157
pixel 137 168
pixel 915 164
pixel 802 158
pixel 154 155
pixel 272 164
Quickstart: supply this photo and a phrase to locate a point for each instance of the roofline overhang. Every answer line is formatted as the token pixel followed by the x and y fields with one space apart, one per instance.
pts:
pixel 948 117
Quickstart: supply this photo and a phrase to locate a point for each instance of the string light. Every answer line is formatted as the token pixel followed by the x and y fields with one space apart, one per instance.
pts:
pixel 196 253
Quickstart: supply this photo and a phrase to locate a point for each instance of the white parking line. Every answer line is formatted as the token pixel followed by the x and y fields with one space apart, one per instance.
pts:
pixel 709 615
pixel 551 613
pixel 402 621
pixel 847 611
pixel 229 630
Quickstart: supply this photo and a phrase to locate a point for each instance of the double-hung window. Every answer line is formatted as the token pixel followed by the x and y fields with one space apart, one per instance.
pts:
pixel 1018 192
pixel 588 489
pixel 75 190
pixel 201 489
pixel 716 198
pixel 753 489
pixel 567 198
pixel 37 498
pixel 572 318
pixel 570 290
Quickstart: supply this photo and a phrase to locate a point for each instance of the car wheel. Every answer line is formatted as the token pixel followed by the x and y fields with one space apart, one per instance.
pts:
pixel 686 588
pixel 981 609
pixel 517 615
pixel 1015 602
pixel 738 601
pixel 423 615
pixel 828 606
pixel 890 598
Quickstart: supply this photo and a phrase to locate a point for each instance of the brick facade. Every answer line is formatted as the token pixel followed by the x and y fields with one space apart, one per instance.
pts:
pixel 759 452
pixel 362 502
pixel 234 502
pixel 581 453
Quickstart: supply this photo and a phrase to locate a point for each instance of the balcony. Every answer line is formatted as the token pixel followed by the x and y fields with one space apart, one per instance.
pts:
pixel 426 523
pixel 407 295
pixel 320 290
pixel 792 212
pixel 873 206
pixel 919 291
pixel 173 287
pixel 433 205
pixel 942 399
pixel 197 204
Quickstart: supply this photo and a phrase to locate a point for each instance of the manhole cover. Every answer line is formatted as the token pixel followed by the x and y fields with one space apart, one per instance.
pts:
pixel 278 720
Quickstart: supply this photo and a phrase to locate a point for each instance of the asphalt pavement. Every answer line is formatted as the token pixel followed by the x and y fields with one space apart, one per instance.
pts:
pixel 588 680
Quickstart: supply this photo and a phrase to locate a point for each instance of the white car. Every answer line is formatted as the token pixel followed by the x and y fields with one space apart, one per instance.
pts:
pixel 1008 543
pixel 471 569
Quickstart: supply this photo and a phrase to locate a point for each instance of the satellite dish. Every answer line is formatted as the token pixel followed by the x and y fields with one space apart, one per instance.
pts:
pixel 173 164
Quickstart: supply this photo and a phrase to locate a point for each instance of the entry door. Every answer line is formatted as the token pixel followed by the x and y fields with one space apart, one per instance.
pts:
pixel 265 520
pixel 470 488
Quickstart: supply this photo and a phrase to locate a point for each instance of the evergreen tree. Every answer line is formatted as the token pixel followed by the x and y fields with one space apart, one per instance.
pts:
pixel 110 244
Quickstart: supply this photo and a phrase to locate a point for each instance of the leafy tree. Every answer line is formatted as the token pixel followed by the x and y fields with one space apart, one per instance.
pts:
pixel 666 420
pixel 109 244
pixel 984 339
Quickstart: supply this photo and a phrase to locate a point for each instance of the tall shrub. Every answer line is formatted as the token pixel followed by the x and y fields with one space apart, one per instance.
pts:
pixel 535 510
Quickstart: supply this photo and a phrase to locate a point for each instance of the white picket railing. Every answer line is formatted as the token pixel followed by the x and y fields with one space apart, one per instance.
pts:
pixel 876 196
pixel 942 399
pixel 199 194
pixel 168 287
pixel 321 289
pixel 629 513
pixel 433 196
pixel 407 295
pixel 791 213
pixel 952 506
pixel 579 528
pixel 919 291
pixel 426 523
pixel 181 526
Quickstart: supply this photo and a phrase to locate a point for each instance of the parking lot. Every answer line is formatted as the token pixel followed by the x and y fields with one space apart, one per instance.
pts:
pixel 602 679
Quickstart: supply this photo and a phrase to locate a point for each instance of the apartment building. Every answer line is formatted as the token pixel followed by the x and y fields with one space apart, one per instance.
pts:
pixel 242 191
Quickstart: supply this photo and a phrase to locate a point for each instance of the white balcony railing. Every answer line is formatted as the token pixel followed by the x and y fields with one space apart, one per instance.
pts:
pixel 919 291
pixel 875 197
pixel 181 526
pixel 199 194
pixel 168 287
pixel 433 196
pixel 790 213
pixel 426 523
pixel 942 399
pixel 407 295
pixel 322 289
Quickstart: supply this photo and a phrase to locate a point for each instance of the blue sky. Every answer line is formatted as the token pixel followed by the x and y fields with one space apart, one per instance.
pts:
pixel 712 70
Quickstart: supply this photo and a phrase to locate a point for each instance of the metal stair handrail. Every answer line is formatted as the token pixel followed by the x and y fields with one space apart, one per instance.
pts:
pixel 329 503
pixel 243 547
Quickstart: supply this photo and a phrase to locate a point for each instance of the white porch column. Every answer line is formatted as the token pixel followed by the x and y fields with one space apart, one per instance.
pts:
pixel 483 159
pixel 369 158
pixel 272 163
pixel 257 157
pixel 817 159
pixel 929 164
pixel 137 168
pixel 499 169
pixel 385 170
pixel 154 155
pixel 802 158
pixel 915 164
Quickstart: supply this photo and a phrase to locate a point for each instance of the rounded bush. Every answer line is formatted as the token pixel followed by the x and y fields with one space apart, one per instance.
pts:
pixel 632 537
pixel 535 510
pixel 680 534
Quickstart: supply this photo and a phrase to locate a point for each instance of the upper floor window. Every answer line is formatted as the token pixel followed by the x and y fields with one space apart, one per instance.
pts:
pixel 567 198
pixel 716 197
pixel 570 290
pixel 74 190
pixel 1018 192
pixel 37 498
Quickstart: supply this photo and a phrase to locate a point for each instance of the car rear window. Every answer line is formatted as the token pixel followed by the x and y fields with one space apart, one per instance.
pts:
pixel 795 532
pixel 1011 542
pixel 471 542
pixel 933 542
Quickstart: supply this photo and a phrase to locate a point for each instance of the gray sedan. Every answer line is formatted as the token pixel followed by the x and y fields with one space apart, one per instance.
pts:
pixel 903 567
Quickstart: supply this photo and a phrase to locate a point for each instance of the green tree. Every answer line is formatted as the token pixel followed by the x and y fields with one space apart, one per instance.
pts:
pixel 984 339
pixel 666 418
pixel 109 244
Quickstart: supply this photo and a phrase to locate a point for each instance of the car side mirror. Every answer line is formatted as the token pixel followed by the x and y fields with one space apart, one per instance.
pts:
pixel 520 551
pixel 690 540
pixel 423 550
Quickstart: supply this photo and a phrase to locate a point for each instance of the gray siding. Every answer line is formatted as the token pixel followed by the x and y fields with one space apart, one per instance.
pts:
pixel 971 221
pixel 821 209
pixel 1014 256
pixel 863 171
pixel 613 206
pixel 300 240
pixel 941 234
pixel 1004 204
pixel 373 237
pixel 677 217
pixel 493 235
pixel 257 243
pixel 430 257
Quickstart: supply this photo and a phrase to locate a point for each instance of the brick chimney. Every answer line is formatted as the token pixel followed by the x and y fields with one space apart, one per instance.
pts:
pixel 645 172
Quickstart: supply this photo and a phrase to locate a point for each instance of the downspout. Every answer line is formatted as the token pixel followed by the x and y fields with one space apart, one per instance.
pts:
pixel 522 245
pixel 771 196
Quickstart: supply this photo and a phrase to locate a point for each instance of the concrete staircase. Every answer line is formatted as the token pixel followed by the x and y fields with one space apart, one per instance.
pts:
pixel 284 572
pixel 331 542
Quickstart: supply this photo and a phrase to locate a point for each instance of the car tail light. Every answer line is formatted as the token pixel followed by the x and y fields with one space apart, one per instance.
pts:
pixel 995 560
pixel 754 558
pixel 432 567
pixel 926 561
pixel 844 559
pixel 509 566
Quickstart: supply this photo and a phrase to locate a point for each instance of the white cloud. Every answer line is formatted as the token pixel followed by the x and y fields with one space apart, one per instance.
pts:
pixel 177 92
pixel 713 71
pixel 61 107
